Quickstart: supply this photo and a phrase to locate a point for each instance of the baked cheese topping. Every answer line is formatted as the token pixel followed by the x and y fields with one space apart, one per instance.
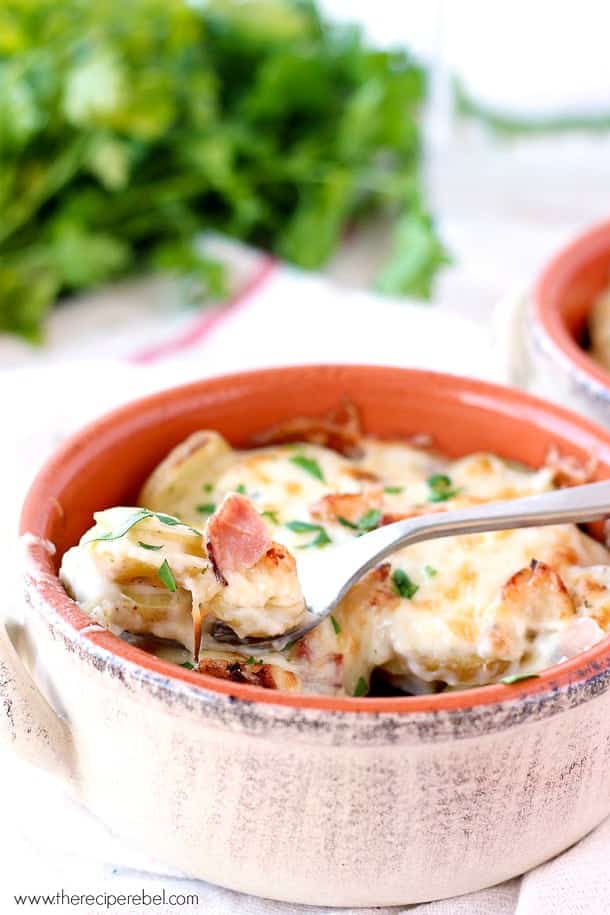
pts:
pixel 445 614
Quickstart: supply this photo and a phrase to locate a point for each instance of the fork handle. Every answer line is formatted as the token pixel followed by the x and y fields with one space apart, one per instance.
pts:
pixel 576 504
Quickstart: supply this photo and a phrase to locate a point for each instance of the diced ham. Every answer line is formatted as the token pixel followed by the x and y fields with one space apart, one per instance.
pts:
pixel 568 470
pixel 339 429
pixel 351 506
pixel 236 536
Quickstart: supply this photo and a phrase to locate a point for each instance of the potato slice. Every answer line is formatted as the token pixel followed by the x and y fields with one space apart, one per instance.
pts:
pixel 197 461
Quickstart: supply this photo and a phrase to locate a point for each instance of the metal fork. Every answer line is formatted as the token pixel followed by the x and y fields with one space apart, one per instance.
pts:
pixel 327 581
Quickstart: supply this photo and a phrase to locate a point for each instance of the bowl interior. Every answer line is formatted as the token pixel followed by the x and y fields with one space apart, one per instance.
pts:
pixel 566 291
pixel 105 464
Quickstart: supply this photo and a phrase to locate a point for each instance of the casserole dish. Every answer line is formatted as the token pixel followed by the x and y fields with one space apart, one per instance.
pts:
pixel 564 297
pixel 315 799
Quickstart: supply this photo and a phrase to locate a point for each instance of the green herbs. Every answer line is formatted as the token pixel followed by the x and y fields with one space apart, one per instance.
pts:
pixel 430 571
pixel 517 678
pixel 137 516
pixel 241 489
pixel 441 488
pixel 271 516
pixel 252 660
pixel 361 687
pixel 301 527
pixel 207 487
pixel 335 625
pixel 188 665
pixel 304 527
pixel 129 129
pixel 309 465
pixel 403 584
pixel 368 522
pixel 167 576
pixel 149 546
pixel 393 490
pixel 208 508
pixel 321 539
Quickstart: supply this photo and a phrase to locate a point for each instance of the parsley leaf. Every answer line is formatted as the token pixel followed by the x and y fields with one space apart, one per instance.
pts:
pixel 271 516
pixel 309 465
pixel 263 121
pixel 304 527
pixel 208 508
pixel 368 522
pixel 441 488
pixel 301 527
pixel 335 624
pixel 149 546
pixel 322 539
pixel 208 487
pixel 517 678
pixel 138 516
pixel 241 489
pixel 361 687
pixel 430 571
pixel 167 576
pixel 188 665
pixel 393 490
pixel 403 584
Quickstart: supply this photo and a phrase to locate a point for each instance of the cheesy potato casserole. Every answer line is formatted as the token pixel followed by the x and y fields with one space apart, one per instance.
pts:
pixel 220 534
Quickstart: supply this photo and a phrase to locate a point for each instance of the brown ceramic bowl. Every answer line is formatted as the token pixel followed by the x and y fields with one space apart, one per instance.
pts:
pixel 561 303
pixel 336 801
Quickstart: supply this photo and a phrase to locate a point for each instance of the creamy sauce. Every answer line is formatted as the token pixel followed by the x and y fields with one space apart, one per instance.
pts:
pixel 449 613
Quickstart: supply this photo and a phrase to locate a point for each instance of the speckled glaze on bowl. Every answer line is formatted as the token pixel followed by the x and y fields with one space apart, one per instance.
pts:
pixel 562 299
pixel 333 801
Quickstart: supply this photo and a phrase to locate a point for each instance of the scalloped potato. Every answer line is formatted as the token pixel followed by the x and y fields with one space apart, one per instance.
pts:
pixel 445 614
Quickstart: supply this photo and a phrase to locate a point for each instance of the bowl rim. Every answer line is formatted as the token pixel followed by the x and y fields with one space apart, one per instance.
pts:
pixel 547 292
pixel 44 588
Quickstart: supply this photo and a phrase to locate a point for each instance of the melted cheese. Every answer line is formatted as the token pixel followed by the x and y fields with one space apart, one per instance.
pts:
pixel 475 609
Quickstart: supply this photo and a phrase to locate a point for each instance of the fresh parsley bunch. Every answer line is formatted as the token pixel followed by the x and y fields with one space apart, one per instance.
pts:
pixel 127 128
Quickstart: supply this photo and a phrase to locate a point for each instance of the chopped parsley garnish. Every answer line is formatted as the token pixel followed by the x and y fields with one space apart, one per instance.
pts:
pixel 167 576
pixel 516 678
pixel 240 488
pixel 393 490
pixel 361 687
pixel 252 660
pixel 336 625
pixel 441 488
pixel 208 487
pixel 188 665
pixel 322 539
pixel 208 508
pixel 271 516
pixel 368 522
pixel 304 527
pixel 430 571
pixel 138 516
pixel 309 465
pixel 301 527
pixel 403 584
pixel 149 546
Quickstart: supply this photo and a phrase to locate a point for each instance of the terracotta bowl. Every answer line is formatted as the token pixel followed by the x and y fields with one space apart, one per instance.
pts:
pixel 332 801
pixel 561 302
